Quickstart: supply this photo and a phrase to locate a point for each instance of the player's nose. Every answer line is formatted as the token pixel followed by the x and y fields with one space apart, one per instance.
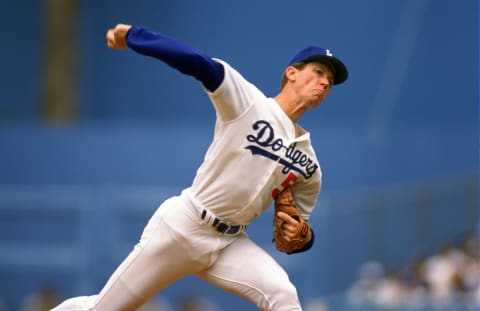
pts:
pixel 324 82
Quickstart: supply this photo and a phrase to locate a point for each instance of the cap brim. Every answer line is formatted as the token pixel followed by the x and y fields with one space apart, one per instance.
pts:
pixel 341 72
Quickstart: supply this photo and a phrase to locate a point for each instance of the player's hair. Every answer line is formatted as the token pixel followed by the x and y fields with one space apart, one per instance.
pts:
pixel 300 66
pixel 284 80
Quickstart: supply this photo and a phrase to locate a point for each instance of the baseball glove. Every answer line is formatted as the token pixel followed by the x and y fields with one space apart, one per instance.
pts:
pixel 285 202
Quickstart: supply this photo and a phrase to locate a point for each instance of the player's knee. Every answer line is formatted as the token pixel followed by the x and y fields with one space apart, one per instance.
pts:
pixel 286 298
pixel 281 297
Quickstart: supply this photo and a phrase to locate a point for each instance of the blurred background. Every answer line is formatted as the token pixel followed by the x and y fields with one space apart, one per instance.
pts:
pixel 93 140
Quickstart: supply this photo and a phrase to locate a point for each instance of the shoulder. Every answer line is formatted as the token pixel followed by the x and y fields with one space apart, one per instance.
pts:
pixel 235 82
pixel 229 69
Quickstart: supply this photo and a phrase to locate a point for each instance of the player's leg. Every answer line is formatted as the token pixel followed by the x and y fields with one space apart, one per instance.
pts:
pixel 156 261
pixel 245 269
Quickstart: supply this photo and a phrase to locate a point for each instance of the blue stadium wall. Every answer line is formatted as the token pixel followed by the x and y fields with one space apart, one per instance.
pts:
pixel 408 114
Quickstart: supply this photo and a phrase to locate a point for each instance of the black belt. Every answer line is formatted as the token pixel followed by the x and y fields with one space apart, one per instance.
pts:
pixel 222 226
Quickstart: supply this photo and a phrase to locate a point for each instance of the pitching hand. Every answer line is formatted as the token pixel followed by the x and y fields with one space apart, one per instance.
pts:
pixel 116 37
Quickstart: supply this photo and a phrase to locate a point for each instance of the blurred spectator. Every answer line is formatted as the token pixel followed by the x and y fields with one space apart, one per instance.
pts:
pixel 196 303
pixel 364 289
pixel 156 304
pixel 444 280
pixel 440 273
pixel 391 291
pixel 415 285
pixel 469 273
pixel 43 300
pixel 316 304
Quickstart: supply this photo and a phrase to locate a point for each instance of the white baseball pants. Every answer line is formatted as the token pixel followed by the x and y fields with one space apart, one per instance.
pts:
pixel 174 244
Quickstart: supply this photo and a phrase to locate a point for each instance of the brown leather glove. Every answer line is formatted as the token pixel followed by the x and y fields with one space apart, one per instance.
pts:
pixel 298 234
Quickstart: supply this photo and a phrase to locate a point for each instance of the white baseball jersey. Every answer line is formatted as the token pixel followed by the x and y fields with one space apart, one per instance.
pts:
pixel 254 154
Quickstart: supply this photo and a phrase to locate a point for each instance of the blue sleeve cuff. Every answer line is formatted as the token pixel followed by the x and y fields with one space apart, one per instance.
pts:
pixel 307 246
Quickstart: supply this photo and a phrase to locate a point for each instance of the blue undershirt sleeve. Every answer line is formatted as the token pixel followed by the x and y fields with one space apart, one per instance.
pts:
pixel 178 55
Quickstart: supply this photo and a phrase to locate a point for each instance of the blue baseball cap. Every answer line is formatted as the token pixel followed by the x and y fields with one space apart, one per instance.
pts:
pixel 314 53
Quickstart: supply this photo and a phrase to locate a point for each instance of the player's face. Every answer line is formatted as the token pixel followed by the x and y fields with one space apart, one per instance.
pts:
pixel 313 83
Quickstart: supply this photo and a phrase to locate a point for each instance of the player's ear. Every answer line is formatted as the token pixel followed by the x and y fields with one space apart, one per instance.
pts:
pixel 291 72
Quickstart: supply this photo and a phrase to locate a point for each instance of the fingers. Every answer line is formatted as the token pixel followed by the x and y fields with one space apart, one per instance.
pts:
pixel 287 218
pixel 117 37
pixel 289 226
pixel 110 39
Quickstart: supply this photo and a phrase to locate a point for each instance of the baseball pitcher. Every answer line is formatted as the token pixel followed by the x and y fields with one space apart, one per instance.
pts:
pixel 259 155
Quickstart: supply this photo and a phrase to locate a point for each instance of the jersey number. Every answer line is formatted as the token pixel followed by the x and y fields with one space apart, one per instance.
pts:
pixel 291 178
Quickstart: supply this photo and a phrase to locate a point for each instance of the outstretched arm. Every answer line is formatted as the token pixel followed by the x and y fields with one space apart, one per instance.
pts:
pixel 175 53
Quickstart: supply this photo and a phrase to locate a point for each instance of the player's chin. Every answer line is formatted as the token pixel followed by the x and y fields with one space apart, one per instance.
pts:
pixel 317 100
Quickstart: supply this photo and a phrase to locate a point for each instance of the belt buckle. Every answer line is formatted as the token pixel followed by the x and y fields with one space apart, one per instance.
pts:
pixel 223 227
pixel 220 225
pixel 234 229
